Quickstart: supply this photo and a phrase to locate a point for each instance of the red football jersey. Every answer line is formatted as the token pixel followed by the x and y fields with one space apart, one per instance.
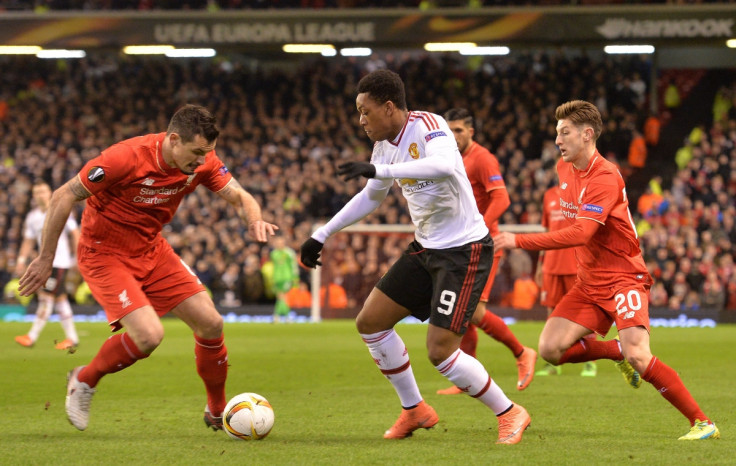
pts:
pixel 598 194
pixel 484 174
pixel 135 193
pixel 556 261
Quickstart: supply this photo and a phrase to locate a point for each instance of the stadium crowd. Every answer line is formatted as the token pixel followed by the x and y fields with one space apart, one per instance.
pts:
pixel 285 131
pixel 42 6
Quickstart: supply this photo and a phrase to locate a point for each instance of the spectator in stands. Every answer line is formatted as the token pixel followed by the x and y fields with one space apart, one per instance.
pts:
pixel 274 125
pixel 713 293
pixel 637 152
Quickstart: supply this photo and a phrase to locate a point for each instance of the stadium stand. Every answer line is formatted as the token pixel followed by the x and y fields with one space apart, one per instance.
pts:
pixel 286 129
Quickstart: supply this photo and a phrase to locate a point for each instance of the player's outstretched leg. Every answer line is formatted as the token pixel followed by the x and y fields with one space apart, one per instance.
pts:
pixel 66 319
pixel 390 355
pixel 526 357
pixel 78 399
pixel 43 312
pixel 211 359
pixel 469 374
pixel 668 383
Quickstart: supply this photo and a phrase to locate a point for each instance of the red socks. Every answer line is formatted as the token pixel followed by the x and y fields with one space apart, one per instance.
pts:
pixel 590 350
pixel 469 343
pixel 497 329
pixel 669 384
pixel 117 353
pixel 211 356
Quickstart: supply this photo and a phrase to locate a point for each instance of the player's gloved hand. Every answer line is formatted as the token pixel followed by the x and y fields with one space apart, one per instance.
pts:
pixel 310 253
pixel 352 170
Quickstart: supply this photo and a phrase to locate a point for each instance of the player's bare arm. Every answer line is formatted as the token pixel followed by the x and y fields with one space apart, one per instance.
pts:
pixel 248 210
pixel 60 207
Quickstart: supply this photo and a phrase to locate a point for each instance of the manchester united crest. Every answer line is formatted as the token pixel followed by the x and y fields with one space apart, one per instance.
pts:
pixel 414 151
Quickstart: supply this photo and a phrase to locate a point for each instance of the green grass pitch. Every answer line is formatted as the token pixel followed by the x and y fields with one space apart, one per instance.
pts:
pixel 332 405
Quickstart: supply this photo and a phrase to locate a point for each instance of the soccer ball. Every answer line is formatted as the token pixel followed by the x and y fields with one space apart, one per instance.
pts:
pixel 248 416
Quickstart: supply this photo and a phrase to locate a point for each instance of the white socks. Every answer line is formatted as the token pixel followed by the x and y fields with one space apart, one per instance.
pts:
pixel 390 355
pixel 43 311
pixel 470 376
pixel 66 319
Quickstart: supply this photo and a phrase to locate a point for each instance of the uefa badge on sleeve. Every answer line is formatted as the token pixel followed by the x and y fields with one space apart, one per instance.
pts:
pixel 96 174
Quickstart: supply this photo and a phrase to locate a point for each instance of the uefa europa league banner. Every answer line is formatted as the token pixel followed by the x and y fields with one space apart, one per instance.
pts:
pixel 400 28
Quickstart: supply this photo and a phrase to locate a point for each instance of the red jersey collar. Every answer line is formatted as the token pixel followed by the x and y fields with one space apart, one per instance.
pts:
pixel 467 149
pixel 586 171
pixel 397 139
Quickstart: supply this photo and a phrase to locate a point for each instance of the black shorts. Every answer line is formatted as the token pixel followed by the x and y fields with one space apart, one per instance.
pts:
pixel 55 283
pixel 442 285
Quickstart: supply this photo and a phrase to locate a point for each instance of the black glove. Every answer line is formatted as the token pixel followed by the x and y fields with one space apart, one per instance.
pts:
pixel 310 253
pixel 355 169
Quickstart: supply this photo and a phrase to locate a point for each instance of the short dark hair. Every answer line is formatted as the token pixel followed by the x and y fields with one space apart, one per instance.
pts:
pixel 580 112
pixel 192 120
pixel 384 85
pixel 455 114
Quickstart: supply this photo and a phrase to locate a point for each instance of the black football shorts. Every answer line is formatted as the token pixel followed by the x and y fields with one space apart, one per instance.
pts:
pixel 442 285
pixel 55 283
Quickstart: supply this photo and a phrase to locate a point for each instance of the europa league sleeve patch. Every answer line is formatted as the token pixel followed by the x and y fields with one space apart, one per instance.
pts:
pixel 96 174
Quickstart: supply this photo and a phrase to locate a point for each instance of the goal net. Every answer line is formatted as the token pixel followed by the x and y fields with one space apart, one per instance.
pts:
pixel 355 258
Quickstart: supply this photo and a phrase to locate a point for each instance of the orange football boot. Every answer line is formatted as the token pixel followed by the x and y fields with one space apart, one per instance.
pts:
pixel 422 416
pixel 525 363
pixel 24 340
pixel 512 424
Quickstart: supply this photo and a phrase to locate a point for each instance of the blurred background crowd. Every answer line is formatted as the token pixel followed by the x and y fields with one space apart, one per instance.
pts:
pixel 285 129
pixel 41 6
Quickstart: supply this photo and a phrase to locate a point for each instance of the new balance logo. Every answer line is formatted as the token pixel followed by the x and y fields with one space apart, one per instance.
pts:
pixel 148 182
pixel 124 300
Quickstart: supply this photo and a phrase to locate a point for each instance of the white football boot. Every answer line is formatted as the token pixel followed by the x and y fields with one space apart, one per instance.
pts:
pixel 78 399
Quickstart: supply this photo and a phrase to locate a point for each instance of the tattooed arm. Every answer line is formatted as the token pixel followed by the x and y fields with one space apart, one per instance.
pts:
pixel 62 202
pixel 248 210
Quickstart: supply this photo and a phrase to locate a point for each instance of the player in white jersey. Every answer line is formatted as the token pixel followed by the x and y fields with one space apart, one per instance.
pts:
pixel 441 274
pixel 52 295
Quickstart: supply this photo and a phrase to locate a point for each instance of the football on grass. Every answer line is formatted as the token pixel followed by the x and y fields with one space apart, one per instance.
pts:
pixel 248 416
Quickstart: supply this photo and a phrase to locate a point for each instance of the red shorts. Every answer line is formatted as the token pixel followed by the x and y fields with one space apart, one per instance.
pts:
pixel 598 309
pixel 554 287
pixel 120 284
pixel 489 284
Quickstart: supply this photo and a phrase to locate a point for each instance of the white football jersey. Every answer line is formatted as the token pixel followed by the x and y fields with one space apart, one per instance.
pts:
pixel 443 210
pixel 34 228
